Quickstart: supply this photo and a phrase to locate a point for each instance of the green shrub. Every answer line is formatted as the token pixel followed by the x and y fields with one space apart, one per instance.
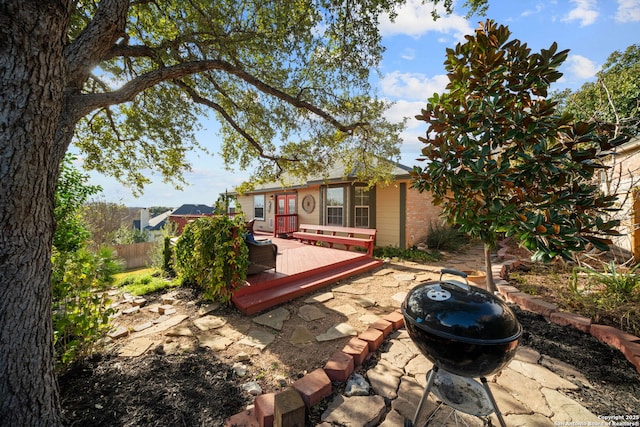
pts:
pixel 613 285
pixel 212 254
pixel 610 296
pixel 406 254
pixel 444 237
pixel 80 305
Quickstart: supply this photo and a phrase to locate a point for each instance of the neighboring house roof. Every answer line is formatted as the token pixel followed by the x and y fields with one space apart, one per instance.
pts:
pixel 158 221
pixel 338 173
pixel 192 210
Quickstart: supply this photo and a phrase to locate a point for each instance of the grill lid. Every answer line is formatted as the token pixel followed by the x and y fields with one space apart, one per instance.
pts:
pixel 454 310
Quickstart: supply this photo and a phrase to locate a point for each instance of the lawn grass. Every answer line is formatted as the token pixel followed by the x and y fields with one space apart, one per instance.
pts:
pixel 143 281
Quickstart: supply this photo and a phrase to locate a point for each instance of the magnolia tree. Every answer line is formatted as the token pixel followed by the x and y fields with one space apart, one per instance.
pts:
pixel 500 159
pixel 128 80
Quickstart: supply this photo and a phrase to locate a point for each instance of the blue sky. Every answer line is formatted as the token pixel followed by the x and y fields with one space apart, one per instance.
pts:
pixel 412 71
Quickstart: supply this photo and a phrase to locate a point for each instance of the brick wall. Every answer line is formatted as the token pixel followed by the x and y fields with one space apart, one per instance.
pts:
pixel 420 213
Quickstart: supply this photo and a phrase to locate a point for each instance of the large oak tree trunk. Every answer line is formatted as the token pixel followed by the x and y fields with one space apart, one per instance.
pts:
pixel 32 74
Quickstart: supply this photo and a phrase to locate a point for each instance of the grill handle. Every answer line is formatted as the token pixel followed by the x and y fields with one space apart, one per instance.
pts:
pixel 455 272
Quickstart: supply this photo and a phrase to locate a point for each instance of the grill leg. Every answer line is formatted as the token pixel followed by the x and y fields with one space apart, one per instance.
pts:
pixel 493 402
pixel 427 390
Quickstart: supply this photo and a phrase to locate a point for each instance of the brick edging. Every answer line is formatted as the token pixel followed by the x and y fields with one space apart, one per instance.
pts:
pixel 317 385
pixel 627 343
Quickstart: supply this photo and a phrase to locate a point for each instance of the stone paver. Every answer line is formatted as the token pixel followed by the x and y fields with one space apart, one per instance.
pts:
pixel 368 318
pixel 258 339
pixel 364 301
pixel 567 410
pixel 301 336
pixel 142 326
pixel 352 290
pixel 565 370
pixel 340 330
pixel 320 298
pixel 507 402
pixel 274 319
pixel 418 368
pixel 214 341
pixel 345 309
pixel 208 309
pixel 136 347
pixel 179 331
pixel 131 310
pixel 398 355
pixel 399 297
pixel 535 420
pixel 207 322
pixel 545 377
pixel 403 277
pixel 356 411
pixel 119 332
pixel 310 313
pixel 163 326
pixel 524 389
pixel 393 419
pixel 384 272
pixel 385 379
pixel 527 354
pixel 392 284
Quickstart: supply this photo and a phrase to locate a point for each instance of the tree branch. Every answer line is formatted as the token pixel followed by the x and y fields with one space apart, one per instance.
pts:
pixel 211 104
pixel 82 104
pixel 123 50
pixel 89 48
pixel 613 107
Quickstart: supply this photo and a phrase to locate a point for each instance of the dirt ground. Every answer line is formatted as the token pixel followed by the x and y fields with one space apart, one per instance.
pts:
pixel 179 383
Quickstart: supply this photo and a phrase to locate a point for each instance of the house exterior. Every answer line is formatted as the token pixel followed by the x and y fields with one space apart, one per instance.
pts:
pixel 623 179
pixel 180 217
pixel 187 213
pixel 400 214
pixel 152 225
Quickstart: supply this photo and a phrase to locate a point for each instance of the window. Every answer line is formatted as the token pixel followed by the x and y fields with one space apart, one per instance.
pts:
pixel 361 199
pixel 335 206
pixel 258 206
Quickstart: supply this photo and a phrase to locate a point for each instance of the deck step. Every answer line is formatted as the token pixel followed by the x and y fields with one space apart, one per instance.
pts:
pixel 249 302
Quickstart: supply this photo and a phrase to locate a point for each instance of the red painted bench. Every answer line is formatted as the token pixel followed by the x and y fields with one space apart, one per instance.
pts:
pixel 347 236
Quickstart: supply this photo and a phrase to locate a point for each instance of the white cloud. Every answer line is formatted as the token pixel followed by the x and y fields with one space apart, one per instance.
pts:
pixel 406 109
pixel 581 67
pixel 412 86
pixel 538 8
pixel 628 11
pixel 585 11
pixel 408 54
pixel 414 19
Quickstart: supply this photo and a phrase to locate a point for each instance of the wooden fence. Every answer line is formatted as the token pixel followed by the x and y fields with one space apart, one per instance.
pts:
pixel 135 255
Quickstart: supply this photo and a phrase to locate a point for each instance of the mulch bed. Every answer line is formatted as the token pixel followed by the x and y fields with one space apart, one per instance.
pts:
pixel 191 389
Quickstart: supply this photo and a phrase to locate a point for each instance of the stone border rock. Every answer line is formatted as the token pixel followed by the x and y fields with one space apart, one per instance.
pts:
pixel 288 407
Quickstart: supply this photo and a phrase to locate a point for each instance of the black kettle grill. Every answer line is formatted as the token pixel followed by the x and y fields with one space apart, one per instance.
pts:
pixel 467 333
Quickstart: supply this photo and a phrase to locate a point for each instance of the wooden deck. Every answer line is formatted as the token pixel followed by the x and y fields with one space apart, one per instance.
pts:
pixel 300 269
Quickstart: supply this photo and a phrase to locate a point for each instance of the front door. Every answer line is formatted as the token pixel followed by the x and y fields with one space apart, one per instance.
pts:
pixel 286 218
